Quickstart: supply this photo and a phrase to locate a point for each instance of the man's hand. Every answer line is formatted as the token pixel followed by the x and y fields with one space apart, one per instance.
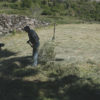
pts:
pixel 28 41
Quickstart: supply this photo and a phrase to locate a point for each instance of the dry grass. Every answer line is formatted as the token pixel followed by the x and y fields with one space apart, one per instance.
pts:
pixel 78 42
pixel 75 43
pixel 75 67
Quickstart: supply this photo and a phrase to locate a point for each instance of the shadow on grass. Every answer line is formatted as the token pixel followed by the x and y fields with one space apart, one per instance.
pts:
pixel 61 89
pixel 15 66
pixel 70 87
pixel 6 53
pixel 59 59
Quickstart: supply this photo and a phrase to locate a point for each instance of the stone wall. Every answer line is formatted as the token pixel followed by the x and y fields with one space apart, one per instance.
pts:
pixel 10 23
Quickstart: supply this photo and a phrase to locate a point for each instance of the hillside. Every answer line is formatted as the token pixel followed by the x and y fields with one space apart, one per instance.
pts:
pixel 73 75
pixel 86 10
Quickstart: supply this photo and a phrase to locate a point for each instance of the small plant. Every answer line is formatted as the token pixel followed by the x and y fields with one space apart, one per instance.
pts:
pixel 14 32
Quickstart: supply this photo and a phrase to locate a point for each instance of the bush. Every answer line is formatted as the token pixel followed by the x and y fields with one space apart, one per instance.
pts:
pixel 26 3
pixel 47 12
pixel 14 6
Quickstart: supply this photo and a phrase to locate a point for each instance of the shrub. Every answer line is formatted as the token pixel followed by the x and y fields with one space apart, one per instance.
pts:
pixel 26 3
pixel 47 12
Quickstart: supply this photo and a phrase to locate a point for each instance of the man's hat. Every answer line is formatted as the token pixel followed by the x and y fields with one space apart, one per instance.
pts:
pixel 26 27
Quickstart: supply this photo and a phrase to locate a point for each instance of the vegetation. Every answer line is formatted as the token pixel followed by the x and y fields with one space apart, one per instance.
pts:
pixel 84 9
pixel 69 67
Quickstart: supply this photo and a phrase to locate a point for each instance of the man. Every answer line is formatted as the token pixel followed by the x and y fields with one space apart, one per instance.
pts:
pixel 34 43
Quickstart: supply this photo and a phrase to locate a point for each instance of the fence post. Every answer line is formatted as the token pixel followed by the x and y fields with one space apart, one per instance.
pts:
pixel 54 33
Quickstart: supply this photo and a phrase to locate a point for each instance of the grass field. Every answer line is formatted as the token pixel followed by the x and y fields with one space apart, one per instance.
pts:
pixel 73 75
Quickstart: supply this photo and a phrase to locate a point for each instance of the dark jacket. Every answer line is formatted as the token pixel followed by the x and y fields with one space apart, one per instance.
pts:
pixel 33 37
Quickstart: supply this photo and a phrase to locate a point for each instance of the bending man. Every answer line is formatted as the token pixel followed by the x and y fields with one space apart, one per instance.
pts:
pixel 34 42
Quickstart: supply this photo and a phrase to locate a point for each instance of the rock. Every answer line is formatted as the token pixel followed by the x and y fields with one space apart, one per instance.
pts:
pixel 1 27
pixel 1 33
pixel 9 23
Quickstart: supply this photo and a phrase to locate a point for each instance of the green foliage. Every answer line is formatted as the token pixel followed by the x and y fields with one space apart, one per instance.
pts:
pixel 14 32
pixel 46 12
pixel 84 9
pixel 26 3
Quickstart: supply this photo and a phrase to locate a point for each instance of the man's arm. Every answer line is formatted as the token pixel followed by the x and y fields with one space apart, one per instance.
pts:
pixel 30 43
